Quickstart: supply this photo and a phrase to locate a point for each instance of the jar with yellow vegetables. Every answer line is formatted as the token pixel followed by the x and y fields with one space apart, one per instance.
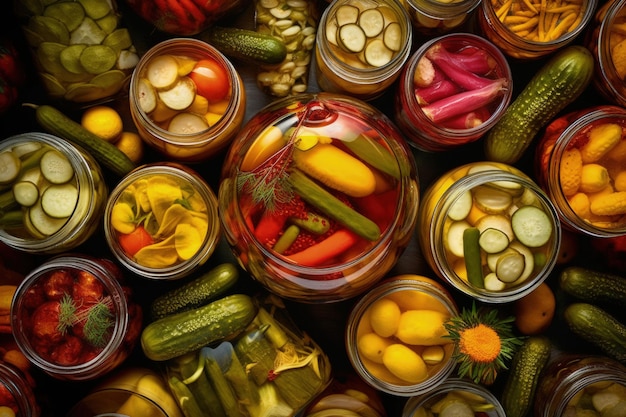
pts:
pixel 132 391
pixel 581 165
pixel 455 397
pixel 81 49
pixel 489 231
pixel 527 30
pixel 318 197
pixel 161 221
pixel 396 335
pixel 606 39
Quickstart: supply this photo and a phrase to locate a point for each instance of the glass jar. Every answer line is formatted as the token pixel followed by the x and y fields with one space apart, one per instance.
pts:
pixel 366 69
pixel 272 363
pixel 17 392
pixel 315 241
pixel 189 18
pixel 580 164
pixel 603 38
pixel 388 361
pixel 39 225
pixel 201 114
pixel 422 81
pixel 461 390
pixel 74 318
pixel 570 381
pixel 134 391
pixel 171 236
pixel 436 17
pixel 82 51
pixel 485 205
pixel 523 32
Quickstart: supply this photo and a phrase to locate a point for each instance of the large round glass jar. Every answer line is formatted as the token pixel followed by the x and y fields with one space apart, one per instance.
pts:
pixel 17 392
pixel 186 99
pixel 319 196
pixel 394 355
pixel 362 46
pixel 570 383
pixel 82 51
pixel 436 17
pixel 74 318
pixel 523 31
pixel 461 65
pixel 489 230
pixel 54 194
pixel 581 164
pixel 161 221
pixel 608 45
pixel 464 396
pixel 134 391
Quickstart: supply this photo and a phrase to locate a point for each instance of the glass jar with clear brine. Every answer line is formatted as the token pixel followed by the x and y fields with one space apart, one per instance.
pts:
pixel 318 197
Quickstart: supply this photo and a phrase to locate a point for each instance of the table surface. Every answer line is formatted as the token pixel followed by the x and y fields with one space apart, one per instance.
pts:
pixel 324 322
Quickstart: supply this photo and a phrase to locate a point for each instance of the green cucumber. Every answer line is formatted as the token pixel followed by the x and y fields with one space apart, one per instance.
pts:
pixel 471 254
pixel 57 123
pixel 593 286
pixel 521 383
pixel 556 85
pixel 332 207
pixel 208 286
pixel 374 154
pixel 596 326
pixel 246 45
pixel 184 332
pixel 185 398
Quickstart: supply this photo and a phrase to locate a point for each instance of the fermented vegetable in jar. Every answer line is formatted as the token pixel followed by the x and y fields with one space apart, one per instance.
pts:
pixel 494 234
pixel 81 49
pixel 315 185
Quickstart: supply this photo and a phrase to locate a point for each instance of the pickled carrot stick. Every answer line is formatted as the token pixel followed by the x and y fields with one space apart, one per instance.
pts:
pixel 269 226
pixel 327 249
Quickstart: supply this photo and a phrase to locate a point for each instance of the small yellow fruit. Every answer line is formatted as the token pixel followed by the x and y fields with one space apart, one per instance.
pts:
pixel 104 122
pixel 384 317
pixel 131 144
pixel 405 363
pixel 422 327
pixel 372 346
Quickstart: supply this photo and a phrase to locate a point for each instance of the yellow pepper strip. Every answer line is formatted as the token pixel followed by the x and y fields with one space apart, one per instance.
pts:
pixel 541 29
pixel 530 6
pixel 530 23
pixel 162 191
pixel 504 10
pixel 619 28
pixel 187 241
pixel 609 204
pixel 158 255
pixel 123 218
pixel 562 27
pixel 176 214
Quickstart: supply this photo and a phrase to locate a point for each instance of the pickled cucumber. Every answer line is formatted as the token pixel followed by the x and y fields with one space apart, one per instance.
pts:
pixel 82 50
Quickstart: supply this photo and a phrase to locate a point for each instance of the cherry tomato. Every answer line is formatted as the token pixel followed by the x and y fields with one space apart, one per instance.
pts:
pixel 211 80
pixel 132 242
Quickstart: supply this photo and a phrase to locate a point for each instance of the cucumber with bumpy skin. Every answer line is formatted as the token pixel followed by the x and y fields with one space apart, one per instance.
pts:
pixel 599 328
pixel 107 154
pixel 593 286
pixel 246 45
pixel 556 85
pixel 528 362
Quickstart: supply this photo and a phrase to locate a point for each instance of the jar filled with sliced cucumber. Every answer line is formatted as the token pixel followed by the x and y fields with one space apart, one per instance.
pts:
pixel 81 50
pixel 186 99
pixel 489 230
pixel 361 46
pixel 52 193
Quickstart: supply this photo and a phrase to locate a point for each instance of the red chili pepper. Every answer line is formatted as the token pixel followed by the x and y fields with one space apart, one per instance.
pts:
pixel 327 249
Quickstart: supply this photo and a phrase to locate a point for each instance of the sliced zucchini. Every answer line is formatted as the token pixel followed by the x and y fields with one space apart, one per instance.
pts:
pixel 493 240
pixel 454 237
pixel 59 201
pixel 462 206
pixel 492 199
pixel 180 96
pixel 55 167
pixel 10 166
pixel 162 71
pixel 377 54
pixel 531 226
pixel 352 37
pixel 372 22
pixel 510 266
pixel 187 123
pixel 392 37
pixel 41 223
pixel 347 14
pixel 26 193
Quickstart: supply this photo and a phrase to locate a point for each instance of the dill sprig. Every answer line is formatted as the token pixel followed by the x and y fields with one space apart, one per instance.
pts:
pixel 97 320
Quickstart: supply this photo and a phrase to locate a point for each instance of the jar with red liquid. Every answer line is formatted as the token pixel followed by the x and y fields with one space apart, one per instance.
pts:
pixel 318 197
pixel 581 164
pixel 458 68
pixel 74 318
pixel 580 385
pixel 187 100
pixel 608 45
pixel 16 393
